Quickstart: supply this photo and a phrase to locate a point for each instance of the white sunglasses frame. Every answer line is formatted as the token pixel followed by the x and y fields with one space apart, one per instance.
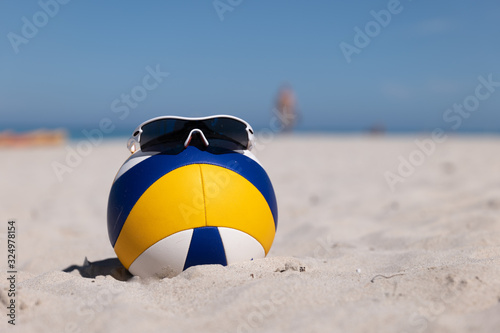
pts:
pixel 133 143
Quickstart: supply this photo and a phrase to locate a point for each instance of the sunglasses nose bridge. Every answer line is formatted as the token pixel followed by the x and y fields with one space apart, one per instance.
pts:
pixel 190 136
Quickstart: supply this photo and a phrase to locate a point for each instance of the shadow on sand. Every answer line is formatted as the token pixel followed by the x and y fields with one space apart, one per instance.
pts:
pixel 112 267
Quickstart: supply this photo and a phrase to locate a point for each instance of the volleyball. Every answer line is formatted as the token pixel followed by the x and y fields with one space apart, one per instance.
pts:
pixel 168 212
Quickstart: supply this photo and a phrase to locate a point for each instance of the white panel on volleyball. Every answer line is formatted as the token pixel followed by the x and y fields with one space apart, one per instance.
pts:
pixel 172 250
pixel 133 161
pixel 249 154
pixel 240 246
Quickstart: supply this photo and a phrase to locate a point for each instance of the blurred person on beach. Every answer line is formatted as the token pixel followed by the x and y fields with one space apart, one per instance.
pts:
pixel 285 106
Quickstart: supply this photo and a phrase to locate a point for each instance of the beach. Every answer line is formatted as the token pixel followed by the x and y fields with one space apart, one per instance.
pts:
pixel 352 252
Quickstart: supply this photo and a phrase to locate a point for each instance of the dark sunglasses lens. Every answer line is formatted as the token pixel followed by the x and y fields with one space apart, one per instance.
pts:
pixel 226 129
pixel 163 134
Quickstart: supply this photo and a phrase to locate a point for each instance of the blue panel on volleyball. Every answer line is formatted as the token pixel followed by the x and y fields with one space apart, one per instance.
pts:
pixel 206 248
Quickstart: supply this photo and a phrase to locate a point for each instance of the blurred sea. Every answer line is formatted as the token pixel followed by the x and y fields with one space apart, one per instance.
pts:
pixel 78 132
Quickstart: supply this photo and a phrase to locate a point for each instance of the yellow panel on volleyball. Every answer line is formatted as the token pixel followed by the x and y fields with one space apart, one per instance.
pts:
pixel 173 203
pixel 232 201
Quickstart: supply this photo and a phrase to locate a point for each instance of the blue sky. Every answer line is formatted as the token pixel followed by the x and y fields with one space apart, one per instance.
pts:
pixel 91 53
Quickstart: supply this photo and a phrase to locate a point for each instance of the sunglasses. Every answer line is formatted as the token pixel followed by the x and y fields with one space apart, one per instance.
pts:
pixel 173 134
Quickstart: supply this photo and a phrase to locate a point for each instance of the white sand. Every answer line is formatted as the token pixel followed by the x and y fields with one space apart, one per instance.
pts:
pixel 349 255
